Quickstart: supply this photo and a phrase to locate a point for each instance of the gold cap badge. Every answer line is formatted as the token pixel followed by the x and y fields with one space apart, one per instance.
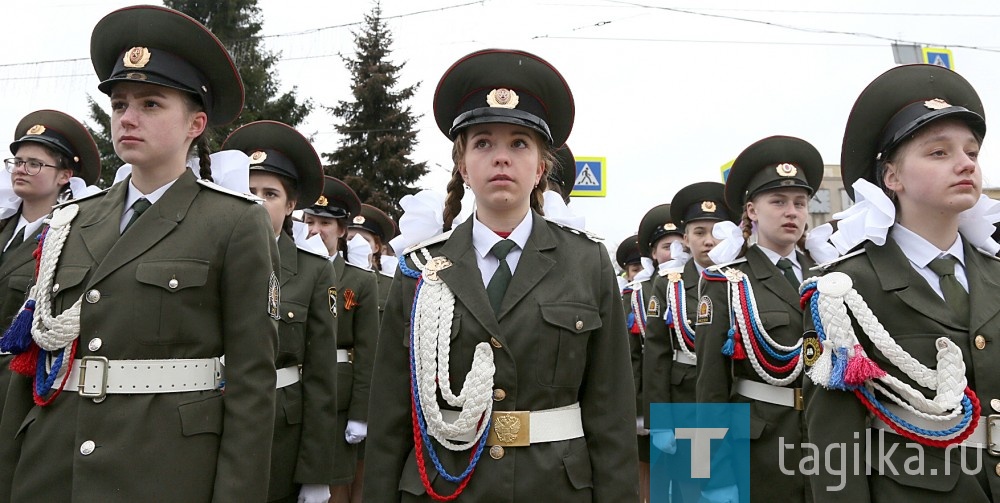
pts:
pixel 258 157
pixel 708 206
pixel 135 76
pixel 136 57
pixel 359 219
pixel 503 98
pixel 669 226
pixel 785 169
pixel 322 201
pixel 36 129
pixel 936 104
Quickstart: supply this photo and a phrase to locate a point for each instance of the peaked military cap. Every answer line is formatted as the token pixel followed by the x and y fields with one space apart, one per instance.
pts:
pixel 275 147
pixel 63 134
pixel 895 106
pixel 563 174
pixel 506 86
pixel 700 201
pixel 776 162
pixel 374 221
pixel 628 252
pixel 338 200
pixel 655 224
pixel 162 46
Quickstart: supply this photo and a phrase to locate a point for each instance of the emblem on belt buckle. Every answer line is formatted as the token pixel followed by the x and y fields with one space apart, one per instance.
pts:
pixel 512 429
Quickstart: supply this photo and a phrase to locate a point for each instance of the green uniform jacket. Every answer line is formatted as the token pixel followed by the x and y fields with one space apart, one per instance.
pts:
pixel 635 342
pixel 189 446
pixel 357 331
pixel 559 339
pixel 664 380
pixel 915 317
pixel 16 272
pixel 305 412
pixel 384 282
pixel 778 305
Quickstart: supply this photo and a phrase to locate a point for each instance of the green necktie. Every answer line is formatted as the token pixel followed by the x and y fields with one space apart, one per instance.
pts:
pixel 138 207
pixel 788 269
pixel 954 294
pixel 501 278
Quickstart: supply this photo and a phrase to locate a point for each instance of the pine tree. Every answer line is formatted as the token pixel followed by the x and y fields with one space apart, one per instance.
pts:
pixel 237 23
pixel 377 133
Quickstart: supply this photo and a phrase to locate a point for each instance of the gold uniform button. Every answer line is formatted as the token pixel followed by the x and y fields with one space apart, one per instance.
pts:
pixel 496 452
pixel 93 296
pixel 579 325
pixel 499 394
pixel 495 343
pixel 95 344
pixel 980 342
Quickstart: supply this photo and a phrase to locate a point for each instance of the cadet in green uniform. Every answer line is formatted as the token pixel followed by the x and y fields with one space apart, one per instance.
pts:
pixel 669 357
pixel 286 173
pixel 49 148
pixel 517 320
pixel 141 290
pixel 355 304
pixel 563 175
pixel 917 376
pixel 377 228
pixel 754 356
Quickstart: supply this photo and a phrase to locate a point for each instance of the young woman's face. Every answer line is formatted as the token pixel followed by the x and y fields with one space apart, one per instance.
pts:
pixel 329 230
pixel 502 164
pixel 268 187
pixel 698 238
pixel 43 186
pixel 937 169
pixel 152 125
pixel 661 248
pixel 781 217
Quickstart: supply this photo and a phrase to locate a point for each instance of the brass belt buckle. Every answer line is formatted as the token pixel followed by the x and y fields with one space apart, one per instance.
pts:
pixel 99 364
pixel 510 429
pixel 991 444
pixel 799 403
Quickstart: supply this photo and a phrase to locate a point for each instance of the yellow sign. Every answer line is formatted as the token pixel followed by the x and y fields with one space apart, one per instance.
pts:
pixel 725 169
pixel 591 177
pixel 938 56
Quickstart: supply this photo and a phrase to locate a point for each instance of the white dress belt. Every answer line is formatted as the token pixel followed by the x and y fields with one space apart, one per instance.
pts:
pixel 288 376
pixel 763 392
pixel 522 428
pixel 96 376
pixel 343 356
pixel 985 436
pixel 682 357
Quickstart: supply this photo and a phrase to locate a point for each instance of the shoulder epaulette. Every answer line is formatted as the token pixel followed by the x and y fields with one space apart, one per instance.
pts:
pixel 580 232
pixel 219 188
pixel 84 198
pixel 826 265
pixel 718 267
pixel 988 254
pixel 436 239
pixel 312 252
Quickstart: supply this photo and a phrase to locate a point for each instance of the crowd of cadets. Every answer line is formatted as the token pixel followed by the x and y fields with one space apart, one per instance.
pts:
pixel 208 330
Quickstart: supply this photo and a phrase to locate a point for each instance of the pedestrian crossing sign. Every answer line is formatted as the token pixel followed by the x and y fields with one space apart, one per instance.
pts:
pixel 591 177
pixel 939 56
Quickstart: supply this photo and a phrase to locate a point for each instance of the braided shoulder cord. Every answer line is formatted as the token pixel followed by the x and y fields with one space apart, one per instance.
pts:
pixel 677 304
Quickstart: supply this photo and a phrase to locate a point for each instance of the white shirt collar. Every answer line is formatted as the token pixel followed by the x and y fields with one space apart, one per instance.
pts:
pixel 774 257
pixel 134 194
pixel 920 251
pixel 483 238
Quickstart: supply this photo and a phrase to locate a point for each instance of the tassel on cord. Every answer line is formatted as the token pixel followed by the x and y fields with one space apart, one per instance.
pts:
pixel 728 348
pixel 26 363
pixel 860 368
pixel 839 368
pixel 739 353
pixel 820 371
pixel 17 338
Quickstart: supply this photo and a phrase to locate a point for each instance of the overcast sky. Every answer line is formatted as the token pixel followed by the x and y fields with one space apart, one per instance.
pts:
pixel 666 91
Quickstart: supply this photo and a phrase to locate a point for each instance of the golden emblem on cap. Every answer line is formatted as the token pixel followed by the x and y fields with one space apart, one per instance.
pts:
pixel 360 219
pixel 136 57
pixel 258 157
pixel 135 76
pixel 36 129
pixel 785 169
pixel 322 201
pixel 936 104
pixel 708 206
pixel 502 98
pixel 669 226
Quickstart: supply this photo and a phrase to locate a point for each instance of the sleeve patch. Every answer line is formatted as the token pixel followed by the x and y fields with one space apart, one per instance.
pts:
pixel 704 311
